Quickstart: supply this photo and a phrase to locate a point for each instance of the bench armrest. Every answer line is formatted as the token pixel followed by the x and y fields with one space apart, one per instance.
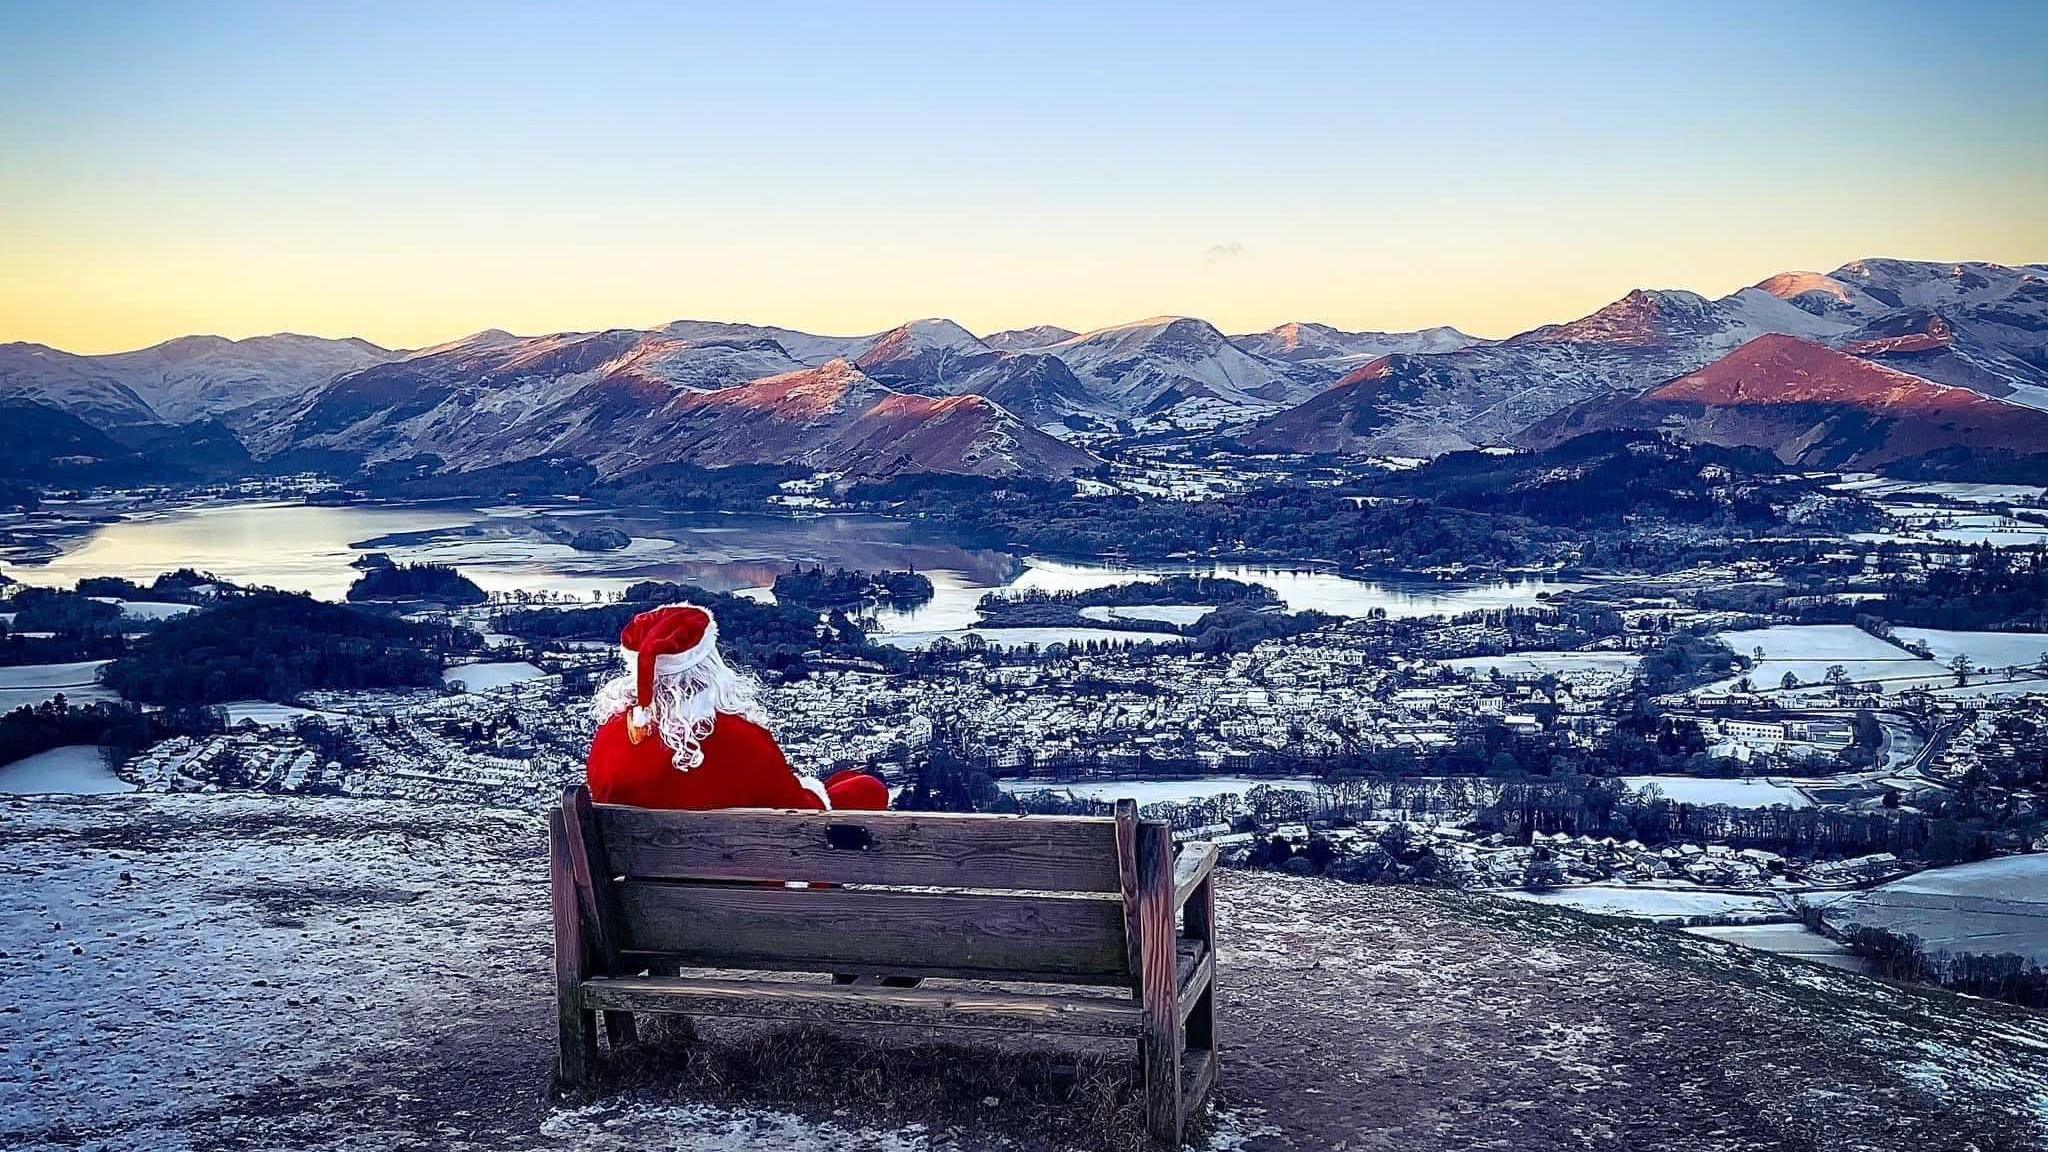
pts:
pixel 1196 860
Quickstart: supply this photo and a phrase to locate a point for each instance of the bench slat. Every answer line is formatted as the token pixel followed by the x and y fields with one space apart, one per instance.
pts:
pixel 841 929
pixel 1201 1077
pixel 1194 983
pixel 836 1004
pixel 665 963
pixel 1190 868
pixel 939 849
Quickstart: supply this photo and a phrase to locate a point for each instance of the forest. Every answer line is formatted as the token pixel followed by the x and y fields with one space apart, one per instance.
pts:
pixel 850 591
pixel 275 645
pixel 768 638
pixel 434 583
pixel 122 729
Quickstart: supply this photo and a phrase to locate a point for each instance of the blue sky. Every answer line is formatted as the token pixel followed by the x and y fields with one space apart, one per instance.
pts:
pixel 412 172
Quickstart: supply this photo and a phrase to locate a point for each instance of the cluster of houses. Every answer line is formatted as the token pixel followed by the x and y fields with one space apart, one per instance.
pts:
pixel 1307 697
pixel 266 759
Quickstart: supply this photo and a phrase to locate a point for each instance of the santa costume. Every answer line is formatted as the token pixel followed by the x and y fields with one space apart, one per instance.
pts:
pixel 684 729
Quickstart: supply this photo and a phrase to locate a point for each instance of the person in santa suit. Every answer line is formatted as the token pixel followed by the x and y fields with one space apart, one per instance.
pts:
pixel 684 729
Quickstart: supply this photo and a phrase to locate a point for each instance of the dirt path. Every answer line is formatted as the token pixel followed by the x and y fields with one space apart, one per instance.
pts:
pixel 246 972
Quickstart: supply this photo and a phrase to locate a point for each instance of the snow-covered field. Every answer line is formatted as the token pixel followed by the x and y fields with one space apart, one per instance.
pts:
pixel 1735 793
pixel 1809 650
pixel 1985 649
pixel 35 683
pixel 1657 904
pixel 1786 940
pixel 1170 613
pixel 1918 524
pixel 1153 791
pixel 484 677
pixel 75 769
pixel 1878 487
pixel 1991 906
pixel 264 713
pixel 1542 663
pixel 148 609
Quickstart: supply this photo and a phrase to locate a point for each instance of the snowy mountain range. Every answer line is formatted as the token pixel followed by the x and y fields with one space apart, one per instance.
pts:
pixel 1982 327
pixel 930 395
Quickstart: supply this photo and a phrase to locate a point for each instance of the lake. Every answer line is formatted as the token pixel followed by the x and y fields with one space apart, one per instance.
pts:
pixel 951 610
pixel 308 548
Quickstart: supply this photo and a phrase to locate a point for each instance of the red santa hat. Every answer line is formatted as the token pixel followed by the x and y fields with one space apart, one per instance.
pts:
pixel 662 642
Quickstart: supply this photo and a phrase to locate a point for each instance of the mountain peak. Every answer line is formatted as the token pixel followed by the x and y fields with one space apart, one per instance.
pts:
pixel 1777 369
pixel 1644 317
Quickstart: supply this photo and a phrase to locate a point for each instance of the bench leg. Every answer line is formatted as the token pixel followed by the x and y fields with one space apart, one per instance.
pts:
pixel 1163 1117
pixel 577 1057
pixel 1201 1034
pixel 620 1030
pixel 1158 992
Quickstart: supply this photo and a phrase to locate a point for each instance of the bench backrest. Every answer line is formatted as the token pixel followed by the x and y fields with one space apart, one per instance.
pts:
pixel 910 893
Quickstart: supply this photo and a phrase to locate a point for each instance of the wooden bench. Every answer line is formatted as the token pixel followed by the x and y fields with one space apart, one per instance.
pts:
pixel 641 897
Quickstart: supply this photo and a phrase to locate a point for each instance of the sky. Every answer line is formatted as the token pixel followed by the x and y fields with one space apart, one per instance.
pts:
pixel 414 172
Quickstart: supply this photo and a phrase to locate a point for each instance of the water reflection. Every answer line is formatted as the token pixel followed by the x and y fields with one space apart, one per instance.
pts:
pixel 955 594
pixel 510 548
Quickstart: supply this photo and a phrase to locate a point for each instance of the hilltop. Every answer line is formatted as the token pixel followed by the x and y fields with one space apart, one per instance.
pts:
pixel 342 974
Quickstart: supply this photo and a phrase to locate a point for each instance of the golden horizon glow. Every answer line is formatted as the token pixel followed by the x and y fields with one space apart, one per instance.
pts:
pixel 409 178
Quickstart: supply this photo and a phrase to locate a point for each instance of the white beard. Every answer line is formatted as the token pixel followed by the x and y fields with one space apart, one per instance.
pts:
pixel 686 704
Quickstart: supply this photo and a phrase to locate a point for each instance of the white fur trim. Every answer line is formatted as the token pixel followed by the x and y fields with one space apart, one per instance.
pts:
pixel 816 787
pixel 676 662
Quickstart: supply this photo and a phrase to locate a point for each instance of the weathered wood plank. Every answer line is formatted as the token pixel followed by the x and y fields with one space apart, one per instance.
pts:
pixel 1197 859
pixel 1201 927
pixel 594 897
pixel 577 1054
pixel 1201 1077
pixel 1127 881
pixel 1106 1016
pixel 663 963
pixel 947 850
pixel 1159 955
pixel 593 887
pixel 862 930
pixel 1194 986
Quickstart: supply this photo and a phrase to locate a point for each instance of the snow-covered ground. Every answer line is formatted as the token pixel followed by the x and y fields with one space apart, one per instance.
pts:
pixel 150 610
pixel 74 769
pixel 1921 524
pixel 1878 487
pixel 247 971
pixel 34 683
pixel 1786 940
pixel 1170 613
pixel 1735 793
pixel 1986 650
pixel 1807 651
pixel 1992 906
pixel 486 676
pixel 265 714
pixel 1657 904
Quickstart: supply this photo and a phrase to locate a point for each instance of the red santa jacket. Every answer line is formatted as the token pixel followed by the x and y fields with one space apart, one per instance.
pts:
pixel 743 768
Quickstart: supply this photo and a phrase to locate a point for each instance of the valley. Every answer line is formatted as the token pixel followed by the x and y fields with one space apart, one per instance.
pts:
pixel 1691 614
